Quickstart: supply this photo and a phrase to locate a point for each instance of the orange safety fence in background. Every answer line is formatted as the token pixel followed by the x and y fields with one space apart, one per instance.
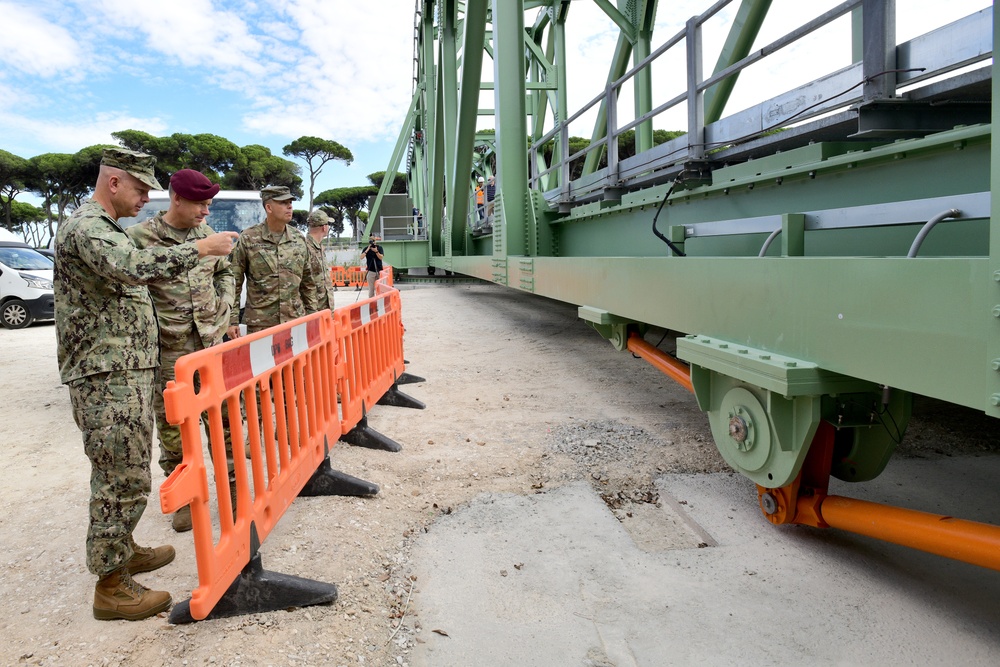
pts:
pixel 303 385
pixel 356 277
pixel 339 277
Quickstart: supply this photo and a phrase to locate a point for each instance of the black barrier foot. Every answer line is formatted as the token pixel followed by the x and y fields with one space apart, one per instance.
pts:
pixel 329 482
pixel 397 398
pixel 256 590
pixel 406 378
pixel 364 436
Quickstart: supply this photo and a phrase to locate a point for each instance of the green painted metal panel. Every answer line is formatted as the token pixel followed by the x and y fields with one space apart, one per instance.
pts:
pixel 406 254
pixel 784 375
pixel 991 300
pixel 865 318
pixel 889 321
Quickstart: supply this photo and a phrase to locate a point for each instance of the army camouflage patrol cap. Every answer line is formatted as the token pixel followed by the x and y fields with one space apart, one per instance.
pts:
pixel 318 218
pixel 137 164
pixel 276 192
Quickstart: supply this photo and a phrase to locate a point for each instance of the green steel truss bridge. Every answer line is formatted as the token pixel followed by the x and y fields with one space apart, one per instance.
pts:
pixel 818 256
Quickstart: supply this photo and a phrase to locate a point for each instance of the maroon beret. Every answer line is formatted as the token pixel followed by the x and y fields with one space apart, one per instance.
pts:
pixel 193 185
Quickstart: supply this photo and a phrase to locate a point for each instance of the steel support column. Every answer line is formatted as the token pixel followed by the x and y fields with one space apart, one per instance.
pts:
pixel 512 131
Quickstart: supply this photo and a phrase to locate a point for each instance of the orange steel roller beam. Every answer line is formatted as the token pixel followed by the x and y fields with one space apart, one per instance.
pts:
pixel 967 541
pixel 806 502
pixel 663 362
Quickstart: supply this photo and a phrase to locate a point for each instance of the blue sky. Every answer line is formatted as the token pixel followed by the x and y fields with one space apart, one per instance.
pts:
pixel 269 71
pixel 72 72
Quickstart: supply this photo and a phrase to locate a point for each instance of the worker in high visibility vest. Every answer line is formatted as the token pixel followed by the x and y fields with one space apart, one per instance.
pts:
pixel 480 199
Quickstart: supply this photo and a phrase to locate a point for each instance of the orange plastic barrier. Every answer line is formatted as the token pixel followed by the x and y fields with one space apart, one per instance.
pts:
pixel 287 376
pixel 370 338
pixel 356 277
pixel 339 276
pixel 304 385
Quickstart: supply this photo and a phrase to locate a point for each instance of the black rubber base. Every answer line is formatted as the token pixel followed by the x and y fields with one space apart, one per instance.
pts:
pixel 364 436
pixel 407 378
pixel 398 399
pixel 256 590
pixel 329 482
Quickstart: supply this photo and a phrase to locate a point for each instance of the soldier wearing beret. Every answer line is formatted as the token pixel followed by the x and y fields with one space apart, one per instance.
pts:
pixel 319 227
pixel 107 351
pixel 192 308
pixel 273 258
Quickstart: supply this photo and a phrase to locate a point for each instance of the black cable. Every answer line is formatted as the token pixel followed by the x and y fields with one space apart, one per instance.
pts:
pixel 660 208
pixel 754 135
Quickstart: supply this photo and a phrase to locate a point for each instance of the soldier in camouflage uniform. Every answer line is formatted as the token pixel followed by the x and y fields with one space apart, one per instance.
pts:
pixel 192 309
pixel 319 227
pixel 274 260
pixel 107 352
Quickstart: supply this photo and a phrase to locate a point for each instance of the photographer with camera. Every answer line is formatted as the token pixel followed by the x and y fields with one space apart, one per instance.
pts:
pixel 372 254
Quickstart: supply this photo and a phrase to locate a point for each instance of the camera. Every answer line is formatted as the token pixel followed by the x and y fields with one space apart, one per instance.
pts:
pixel 371 243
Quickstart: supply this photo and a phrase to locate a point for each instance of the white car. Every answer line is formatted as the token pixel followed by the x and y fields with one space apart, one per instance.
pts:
pixel 25 285
pixel 231 211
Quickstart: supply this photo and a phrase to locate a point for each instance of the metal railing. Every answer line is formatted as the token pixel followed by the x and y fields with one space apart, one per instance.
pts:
pixel 919 59
pixel 401 228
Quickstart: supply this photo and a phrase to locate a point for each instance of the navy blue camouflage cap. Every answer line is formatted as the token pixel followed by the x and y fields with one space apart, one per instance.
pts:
pixel 276 192
pixel 137 164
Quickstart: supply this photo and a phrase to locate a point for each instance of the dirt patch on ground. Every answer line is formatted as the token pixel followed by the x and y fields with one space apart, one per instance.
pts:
pixel 521 397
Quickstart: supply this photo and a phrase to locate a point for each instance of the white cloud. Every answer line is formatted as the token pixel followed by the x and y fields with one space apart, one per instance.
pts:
pixel 29 136
pixel 35 46
pixel 353 84
pixel 190 32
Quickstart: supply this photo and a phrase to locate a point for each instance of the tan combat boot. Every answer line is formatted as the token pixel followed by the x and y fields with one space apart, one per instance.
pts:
pixel 147 559
pixel 181 520
pixel 118 595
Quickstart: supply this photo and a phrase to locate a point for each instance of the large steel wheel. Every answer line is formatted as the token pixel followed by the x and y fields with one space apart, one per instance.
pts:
pixel 15 314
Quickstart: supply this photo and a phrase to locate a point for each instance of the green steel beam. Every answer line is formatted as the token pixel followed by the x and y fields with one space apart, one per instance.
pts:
pixel 438 158
pixel 468 111
pixel 619 65
pixel 843 300
pixel 512 153
pixel 643 80
pixel 431 193
pixel 744 30
pixel 560 101
pixel 624 24
pixel 448 109
pixel 756 299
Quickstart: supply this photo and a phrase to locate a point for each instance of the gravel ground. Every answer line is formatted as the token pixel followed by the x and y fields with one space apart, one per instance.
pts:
pixel 522 397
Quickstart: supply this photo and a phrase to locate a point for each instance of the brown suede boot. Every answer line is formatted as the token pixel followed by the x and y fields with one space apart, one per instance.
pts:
pixel 118 595
pixel 147 559
pixel 181 520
